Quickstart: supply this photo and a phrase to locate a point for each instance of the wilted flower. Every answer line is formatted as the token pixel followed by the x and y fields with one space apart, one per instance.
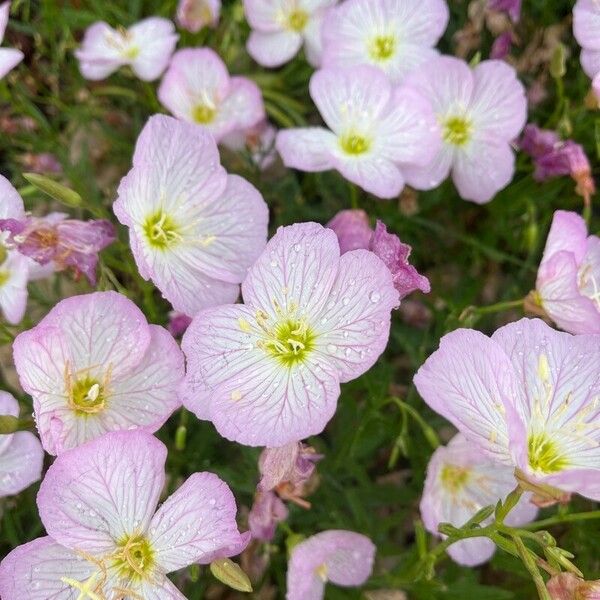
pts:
pixel 374 130
pixel 21 455
pixel 267 510
pixel 45 162
pixel 92 365
pixel 568 281
pixel 527 397
pixel 193 15
pixel 397 36
pixel 259 141
pixel 146 47
pixel 106 538
pixel 502 45
pixel 586 28
pixel 510 7
pixel 566 586
pixel 66 243
pixel 267 372
pixel 280 28
pixel 481 111
pixel 197 88
pixel 341 557
pixel 461 480
pixel 9 57
pixel 353 231
pixel 553 157
pixel 178 323
pixel 194 229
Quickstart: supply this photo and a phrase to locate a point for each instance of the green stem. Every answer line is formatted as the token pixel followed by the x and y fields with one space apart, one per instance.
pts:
pixel 428 431
pixel 530 564
pixel 499 307
pixel 557 520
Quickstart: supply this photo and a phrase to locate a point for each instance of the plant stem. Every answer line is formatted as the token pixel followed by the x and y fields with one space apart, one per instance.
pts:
pixel 428 431
pixel 558 519
pixel 530 564
pixel 499 307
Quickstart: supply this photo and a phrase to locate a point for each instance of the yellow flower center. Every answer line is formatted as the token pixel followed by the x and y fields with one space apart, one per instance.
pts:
pixel 454 478
pixel 354 144
pixel 297 20
pixel 86 396
pixel 457 130
pixel 134 558
pixel 4 276
pixel 161 230
pixel 322 572
pixel 131 53
pixel 382 47
pixel 544 454
pixel 204 114
pixel 290 342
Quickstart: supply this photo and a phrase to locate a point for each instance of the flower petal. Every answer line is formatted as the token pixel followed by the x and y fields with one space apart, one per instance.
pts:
pixel 306 148
pixel 9 59
pixel 432 174
pixel 274 48
pixel 470 381
pixel 20 463
pixel 13 291
pixel 195 522
pixel 156 39
pixel 372 172
pixel 95 495
pixel 590 61
pixel 586 24
pixel 353 329
pixel 11 203
pixel 34 571
pixel 99 55
pixel 568 233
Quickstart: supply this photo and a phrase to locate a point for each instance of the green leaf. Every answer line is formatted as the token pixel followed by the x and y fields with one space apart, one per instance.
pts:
pixel 53 189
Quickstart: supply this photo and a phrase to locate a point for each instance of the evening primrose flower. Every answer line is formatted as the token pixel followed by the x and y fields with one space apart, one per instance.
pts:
pixel 344 558
pixel 197 88
pixel 258 142
pixel 268 372
pixel 528 397
pixel 586 28
pixel 375 130
pixel 146 47
pixel 396 36
pixel 93 365
pixel 106 538
pixel 21 454
pixel 480 111
pixel 280 28
pixel 193 15
pixel 568 281
pixel 461 480
pixel 9 57
pixel 194 229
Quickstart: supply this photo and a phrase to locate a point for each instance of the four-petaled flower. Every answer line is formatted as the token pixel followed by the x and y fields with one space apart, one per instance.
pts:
pixel 529 397
pixel 341 557
pixel 198 88
pixel 375 130
pixel 194 229
pixel 461 480
pixel 193 15
pixel 480 112
pixel 93 365
pixel 268 372
pixel 106 538
pixel 146 47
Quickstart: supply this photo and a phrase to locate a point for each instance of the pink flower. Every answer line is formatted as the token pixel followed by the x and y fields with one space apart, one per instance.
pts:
pixel 9 57
pixel 481 111
pixel 568 281
pixel 146 47
pixel 586 28
pixel 375 130
pixel 502 45
pixel 341 557
pixel 527 397
pixel 106 538
pixel 44 162
pixel 396 36
pixel 178 323
pixel 511 7
pixel 267 372
pixel 258 141
pixel 553 157
pixel 66 243
pixel 93 365
pixel 566 586
pixel 14 267
pixel 280 28
pixel 267 510
pixel 193 15
pixel 461 480
pixel 194 229
pixel 197 88
pixel 353 231
pixel 21 455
